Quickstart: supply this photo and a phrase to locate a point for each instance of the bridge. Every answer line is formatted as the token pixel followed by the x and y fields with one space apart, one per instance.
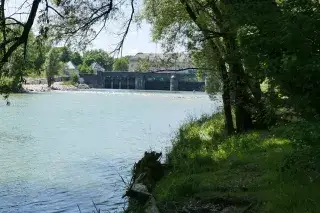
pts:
pixel 164 80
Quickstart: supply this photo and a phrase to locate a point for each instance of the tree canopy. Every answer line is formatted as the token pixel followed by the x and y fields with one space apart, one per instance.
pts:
pixel 245 43
pixel 58 22
pixel 121 64
pixel 99 56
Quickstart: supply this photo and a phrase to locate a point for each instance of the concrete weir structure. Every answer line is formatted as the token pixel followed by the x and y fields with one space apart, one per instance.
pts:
pixel 173 81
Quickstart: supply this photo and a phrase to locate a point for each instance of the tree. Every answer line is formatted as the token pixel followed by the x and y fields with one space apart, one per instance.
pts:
pixel 52 65
pixel 58 21
pixel 76 58
pixel 99 56
pixel 121 64
pixel 65 55
pixel 143 65
pixel 84 68
pixel 199 31
pixel 218 26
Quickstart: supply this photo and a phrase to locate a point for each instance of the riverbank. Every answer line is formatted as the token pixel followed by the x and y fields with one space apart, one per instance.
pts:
pixel 61 86
pixel 262 171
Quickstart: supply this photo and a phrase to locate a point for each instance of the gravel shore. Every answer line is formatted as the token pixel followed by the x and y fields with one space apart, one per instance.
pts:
pixel 45 88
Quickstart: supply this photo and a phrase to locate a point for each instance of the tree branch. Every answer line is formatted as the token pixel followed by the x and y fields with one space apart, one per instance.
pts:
pixel 3 25
pixel 25 34
pixel 16 21
pixel 8 41
pixel 209 34
pixel 120 44
pixel 55 11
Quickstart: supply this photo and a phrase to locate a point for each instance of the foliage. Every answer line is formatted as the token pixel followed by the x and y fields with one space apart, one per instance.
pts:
pixel 238 43
pixel 84 68
pixel 65 54
pixel 121 64
pixel 76 58
pixel 99 56
pixel 52 65
pixel 57 22
pixel 74 78
pixel 276 170
pixel 143 65
pixel 207 63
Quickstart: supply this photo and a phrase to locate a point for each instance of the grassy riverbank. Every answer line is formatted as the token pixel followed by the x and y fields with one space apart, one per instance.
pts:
pixel 272 171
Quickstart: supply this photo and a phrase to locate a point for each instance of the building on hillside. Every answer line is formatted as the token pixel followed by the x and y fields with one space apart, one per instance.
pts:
pixel 96 67
pixel 158 62
pixel 70 68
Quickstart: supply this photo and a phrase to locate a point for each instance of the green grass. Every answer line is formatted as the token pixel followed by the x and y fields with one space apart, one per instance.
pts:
pixel 279 169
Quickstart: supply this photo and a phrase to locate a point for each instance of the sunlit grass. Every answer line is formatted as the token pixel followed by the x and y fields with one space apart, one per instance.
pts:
pixel 279 168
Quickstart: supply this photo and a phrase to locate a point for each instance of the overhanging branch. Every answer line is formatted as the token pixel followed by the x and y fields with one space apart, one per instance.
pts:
pixel 25 34
pixel 209 34
pixel 120 44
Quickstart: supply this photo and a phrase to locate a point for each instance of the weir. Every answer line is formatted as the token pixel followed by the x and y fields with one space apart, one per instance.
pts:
pixel 173 81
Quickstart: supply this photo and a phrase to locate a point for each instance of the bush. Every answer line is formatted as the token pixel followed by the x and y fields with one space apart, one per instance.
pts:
pixel 74 78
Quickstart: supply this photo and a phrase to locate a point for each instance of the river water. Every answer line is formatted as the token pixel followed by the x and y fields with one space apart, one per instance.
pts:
pixel 63 149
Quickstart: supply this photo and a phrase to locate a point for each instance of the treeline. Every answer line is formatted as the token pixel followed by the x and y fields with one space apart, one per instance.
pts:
pixel 83 61
pixel 247 44
pixel 32 60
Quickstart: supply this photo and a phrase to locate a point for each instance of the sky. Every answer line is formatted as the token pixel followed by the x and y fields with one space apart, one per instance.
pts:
pixel 137 40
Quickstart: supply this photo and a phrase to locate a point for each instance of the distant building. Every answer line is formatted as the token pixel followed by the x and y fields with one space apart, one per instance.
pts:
pixel 97 68
pixel 171 61
pixel 70 68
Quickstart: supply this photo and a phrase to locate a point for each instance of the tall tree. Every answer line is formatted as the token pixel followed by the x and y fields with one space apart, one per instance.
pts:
pixel 186 25
pixel 121 64
pixel 217 24
pixel 76 58
pixel 52 65
pixel 143 65
pixel 99 56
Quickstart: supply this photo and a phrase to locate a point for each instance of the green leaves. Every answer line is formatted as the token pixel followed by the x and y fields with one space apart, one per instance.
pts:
pixel 121 64
pixel 99 56
pixel 143 65
pixel 52 64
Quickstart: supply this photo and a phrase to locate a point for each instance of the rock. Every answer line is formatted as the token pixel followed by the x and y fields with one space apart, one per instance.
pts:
pixel 138 187
pixel 81 80
pixel 83 86
pixel 60 86
pixel 145 174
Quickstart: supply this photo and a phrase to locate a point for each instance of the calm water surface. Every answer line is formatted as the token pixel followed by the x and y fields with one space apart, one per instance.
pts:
pixel 61 149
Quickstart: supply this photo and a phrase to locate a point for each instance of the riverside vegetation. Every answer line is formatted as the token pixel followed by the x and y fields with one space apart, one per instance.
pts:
pixel 261 154
pixel 251 157
pixel 274 170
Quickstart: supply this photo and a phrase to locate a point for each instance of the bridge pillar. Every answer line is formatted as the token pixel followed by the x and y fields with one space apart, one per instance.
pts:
pixel 206 80
pixel 128 83
pixel 174 83
pixel 120 83
pixel 140 83
pixel 111 83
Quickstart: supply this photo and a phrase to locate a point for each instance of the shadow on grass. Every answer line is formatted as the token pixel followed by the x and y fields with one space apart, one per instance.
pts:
pixel 278 169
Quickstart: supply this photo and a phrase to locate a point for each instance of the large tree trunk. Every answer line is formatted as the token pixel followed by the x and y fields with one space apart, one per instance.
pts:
pixel 241 95
pixel 242 112
pixel 226 97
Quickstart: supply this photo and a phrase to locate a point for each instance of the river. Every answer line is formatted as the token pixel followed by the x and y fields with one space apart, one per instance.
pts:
pixel 63 149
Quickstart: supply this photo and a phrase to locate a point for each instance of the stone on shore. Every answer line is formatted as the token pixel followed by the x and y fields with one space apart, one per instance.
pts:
pixel 83 86
pixel 62 87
